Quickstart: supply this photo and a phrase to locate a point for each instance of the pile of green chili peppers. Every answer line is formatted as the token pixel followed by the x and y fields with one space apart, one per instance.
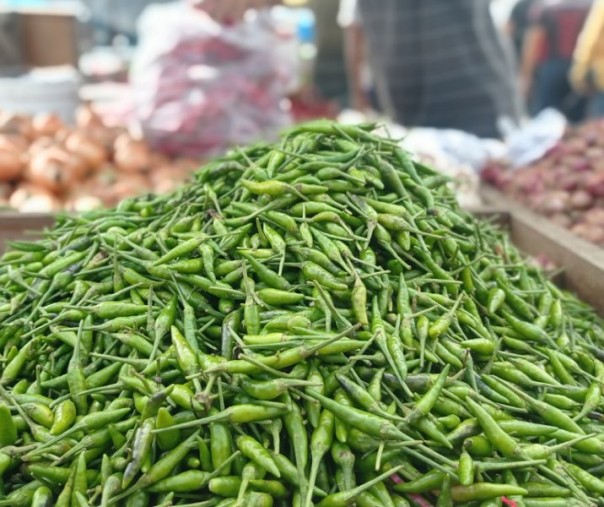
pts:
pixel 310 323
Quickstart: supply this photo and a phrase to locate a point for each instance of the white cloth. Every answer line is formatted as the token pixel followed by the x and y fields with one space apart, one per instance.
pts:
pixel 348 14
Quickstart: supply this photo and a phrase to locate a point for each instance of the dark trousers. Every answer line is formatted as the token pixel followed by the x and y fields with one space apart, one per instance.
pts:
pixel 552 89
pixel 596 105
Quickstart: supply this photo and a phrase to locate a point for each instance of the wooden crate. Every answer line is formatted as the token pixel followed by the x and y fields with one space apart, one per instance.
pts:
pixel 22 226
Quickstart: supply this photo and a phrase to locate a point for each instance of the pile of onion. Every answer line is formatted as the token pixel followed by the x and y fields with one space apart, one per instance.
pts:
pixel 47 165
pixel 566 185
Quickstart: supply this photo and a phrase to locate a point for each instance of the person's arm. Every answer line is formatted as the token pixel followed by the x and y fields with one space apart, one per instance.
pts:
pixel 534 40
pixel 354 43
pixel 354 50
pixel 584 52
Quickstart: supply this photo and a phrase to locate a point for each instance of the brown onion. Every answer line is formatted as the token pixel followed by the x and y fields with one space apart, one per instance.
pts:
pixel 589 232
pixel 13 142
pixel 62 134
pixel 130 184
pixel 594 216
pixel 166 178
pixel 103 135
pixel 16 124
pixel 555 202
pixel 6 190
pixel 55 169
pixel 84 203
pixel 566 184
pixel 123 140
pixel 133 157
pixel 90 151
pixel 86 117
pixel 29 198
pixel 561 219
pixel 41 144
pixel 11 165
pixel 46 124
pixel 580 199
pixel 594 184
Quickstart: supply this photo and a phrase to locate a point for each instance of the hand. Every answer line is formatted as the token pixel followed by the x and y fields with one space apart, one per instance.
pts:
pixel 230 11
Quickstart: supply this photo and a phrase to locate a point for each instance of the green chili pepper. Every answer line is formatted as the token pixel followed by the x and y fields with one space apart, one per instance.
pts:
pixel 466 352
pixel 162 324
pixel 16 364
pixel 184 482
pixel 498 438
pixel 267 275
pixel 478 446
pixel 465 469
pixel 278 297
pixel 428 482
pixel 8 435
pixel 527 330
pixel 316 273
pixel 592 400
pixel 166 439
pixel 426 403
pixel 42 497
pixel 143 439
pixel 484 491
pixel 164 466
pixel 444 497
pixel 321 440
pixel 548 413
pixel 254 451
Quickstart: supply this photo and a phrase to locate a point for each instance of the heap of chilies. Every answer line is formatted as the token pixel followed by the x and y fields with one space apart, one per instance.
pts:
pixel 309 323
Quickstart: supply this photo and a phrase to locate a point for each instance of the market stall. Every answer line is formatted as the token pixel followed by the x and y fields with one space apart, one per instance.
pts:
pixel 207 300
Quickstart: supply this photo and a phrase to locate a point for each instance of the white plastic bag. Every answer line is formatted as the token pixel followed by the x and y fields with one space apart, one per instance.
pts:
pixel 459 147
pixel 201 87
pixel 539 135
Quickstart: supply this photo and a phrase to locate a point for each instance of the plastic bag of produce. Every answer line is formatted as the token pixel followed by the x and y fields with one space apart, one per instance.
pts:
pixel 201 87
pixel 535 138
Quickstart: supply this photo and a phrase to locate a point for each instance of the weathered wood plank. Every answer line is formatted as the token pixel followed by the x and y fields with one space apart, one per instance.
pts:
pixel 22 226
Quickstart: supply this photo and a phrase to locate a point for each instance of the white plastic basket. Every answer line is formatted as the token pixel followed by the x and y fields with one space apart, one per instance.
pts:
pixel 45 90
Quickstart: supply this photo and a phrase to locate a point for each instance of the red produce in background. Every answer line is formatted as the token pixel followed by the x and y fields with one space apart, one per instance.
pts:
pixel 566 184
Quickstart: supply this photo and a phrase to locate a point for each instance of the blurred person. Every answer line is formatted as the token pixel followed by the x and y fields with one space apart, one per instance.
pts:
pixel 587 73
pixel 547 55
pixel 519 23
pixel 434 63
